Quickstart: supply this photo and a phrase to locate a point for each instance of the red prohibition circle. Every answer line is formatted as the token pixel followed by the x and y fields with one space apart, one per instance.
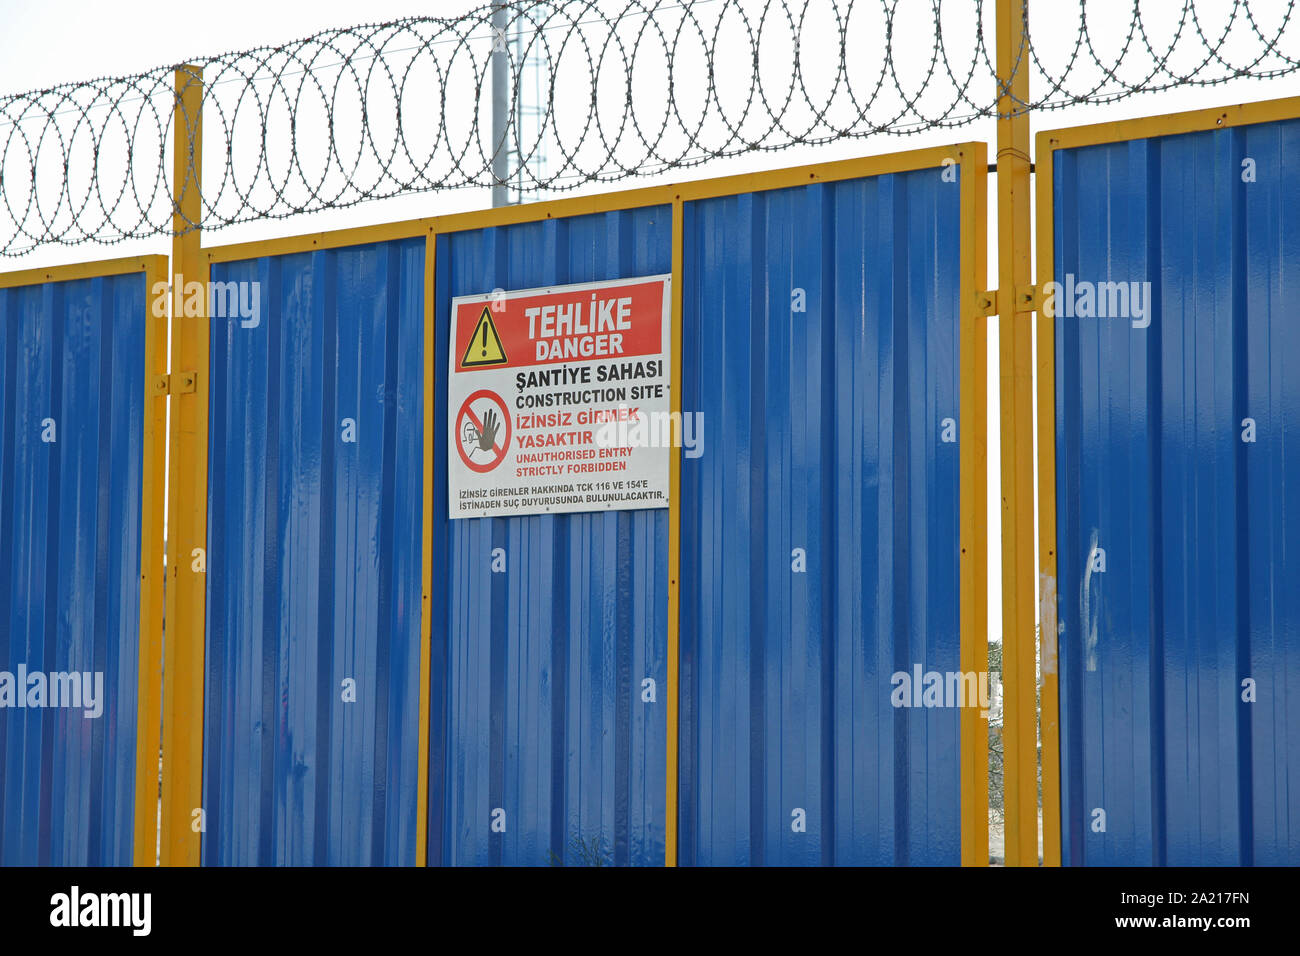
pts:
pixel 466 412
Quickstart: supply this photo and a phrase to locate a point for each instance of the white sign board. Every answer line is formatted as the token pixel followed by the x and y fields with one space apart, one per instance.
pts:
pixel 558 399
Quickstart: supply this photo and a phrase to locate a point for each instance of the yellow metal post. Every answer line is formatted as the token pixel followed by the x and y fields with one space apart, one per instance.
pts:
pixel 182 799
pixel 152 567
pixel 426 548
pixel 674 540
pixel 1049 699
pixel 1015 278
pixel 973 419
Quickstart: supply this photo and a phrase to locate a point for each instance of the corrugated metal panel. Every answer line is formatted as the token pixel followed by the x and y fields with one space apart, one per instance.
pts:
pixel 537 671
pixel 314 561
pixel 822 433
pixel 1198 527
pixel 70 534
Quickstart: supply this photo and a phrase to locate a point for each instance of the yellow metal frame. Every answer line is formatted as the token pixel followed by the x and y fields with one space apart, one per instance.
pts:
pixel 426 561
pixel 973 469
pixel 182 777
pixel 148 695
pixel 1166 124
pixel 672 683
pixel 101 269
pixel 583 205
pixel 972 160
pixel 1048 142
pixel 178 693
pixel 152 572
pixel 1015 351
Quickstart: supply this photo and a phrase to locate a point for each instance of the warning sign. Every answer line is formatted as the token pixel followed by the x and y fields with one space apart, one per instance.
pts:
pixel 484 344
pixel 559 399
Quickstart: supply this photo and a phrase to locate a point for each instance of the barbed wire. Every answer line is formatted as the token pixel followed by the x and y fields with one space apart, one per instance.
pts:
pixel 629 88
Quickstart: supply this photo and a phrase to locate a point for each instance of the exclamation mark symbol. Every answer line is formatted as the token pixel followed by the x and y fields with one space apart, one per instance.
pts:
pixel 484 340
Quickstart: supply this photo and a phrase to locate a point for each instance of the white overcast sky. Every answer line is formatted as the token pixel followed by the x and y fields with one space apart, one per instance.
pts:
pixel 47 43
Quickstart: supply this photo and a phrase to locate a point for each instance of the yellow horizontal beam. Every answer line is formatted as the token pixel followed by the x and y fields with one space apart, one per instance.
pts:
pixel 316 241
pixel 1169 124
pixel 84 270
pixel 899 162
pixel 858 168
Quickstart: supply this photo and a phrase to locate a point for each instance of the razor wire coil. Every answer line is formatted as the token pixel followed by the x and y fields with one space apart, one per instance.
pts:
pixel 629 88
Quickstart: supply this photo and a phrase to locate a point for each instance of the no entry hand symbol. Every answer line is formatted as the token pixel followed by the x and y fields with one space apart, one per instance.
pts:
pixel 484 429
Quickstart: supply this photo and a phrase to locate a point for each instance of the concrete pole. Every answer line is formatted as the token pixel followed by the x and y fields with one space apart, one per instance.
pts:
pixel 500 108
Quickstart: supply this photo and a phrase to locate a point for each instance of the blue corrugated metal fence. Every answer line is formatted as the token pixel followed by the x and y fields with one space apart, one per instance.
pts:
pixel 1177 518
pixel 72 392
pixel 819 541
pixel 821 347
pixel 311 729
pixel 537 671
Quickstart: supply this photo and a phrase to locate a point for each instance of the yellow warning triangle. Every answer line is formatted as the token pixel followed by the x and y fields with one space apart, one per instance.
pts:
pixel 484 345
